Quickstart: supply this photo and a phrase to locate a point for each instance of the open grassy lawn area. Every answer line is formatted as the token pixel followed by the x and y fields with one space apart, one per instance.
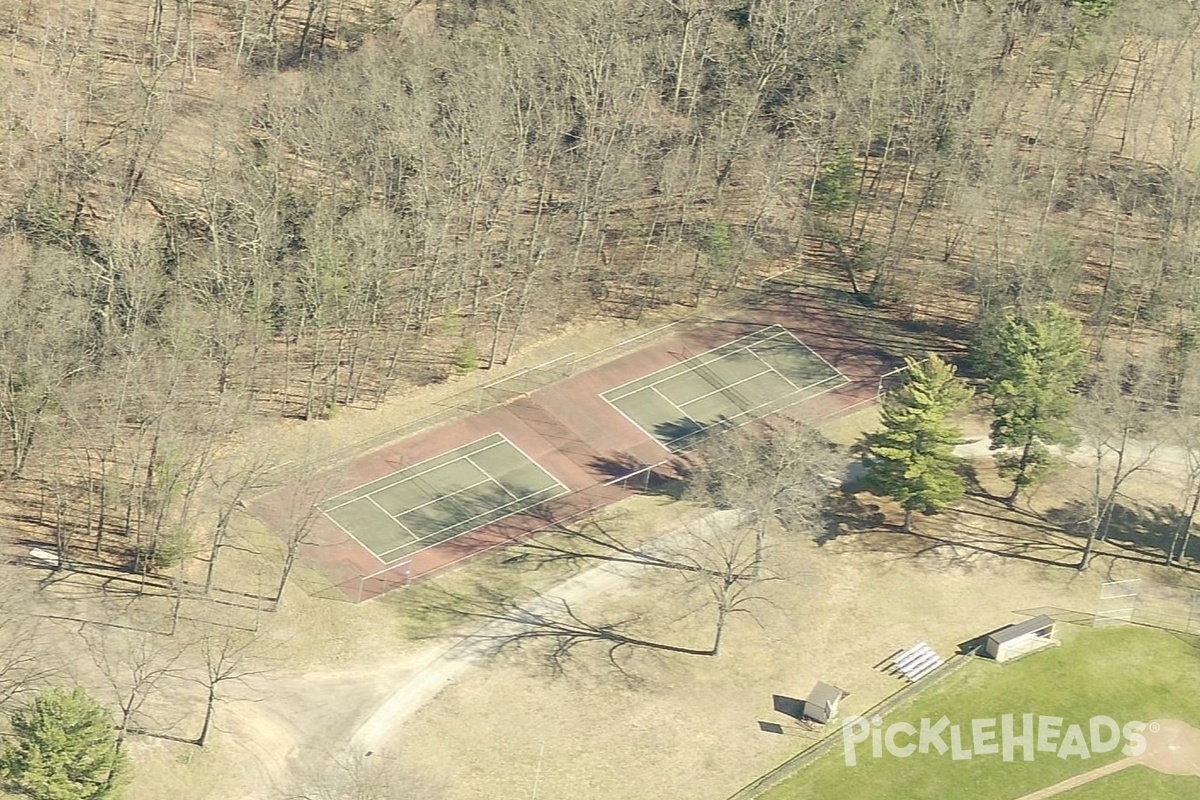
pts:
pixel 1124 673
pixel 1137 782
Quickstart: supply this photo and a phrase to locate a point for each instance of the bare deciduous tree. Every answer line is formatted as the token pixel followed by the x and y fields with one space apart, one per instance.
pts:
pixel 1119 433
pixel 25 663
pixel 778 474
pixel 229 658
pixel 715 554
pixel 1185 436
pixel 136 667
pixel 355 776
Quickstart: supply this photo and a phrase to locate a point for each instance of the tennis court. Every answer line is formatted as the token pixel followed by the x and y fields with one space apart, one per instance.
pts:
pixel 442 497
pixel 742 380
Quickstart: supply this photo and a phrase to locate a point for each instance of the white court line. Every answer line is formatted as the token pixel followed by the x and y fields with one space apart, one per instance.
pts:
pixel 732 385
pixel 389 515
pixel 778 331
pixel 837 372
pixel 371 500
pixel 680 407
pixel 634 422
pixel 352 536
pixel 700 360
pixel 562 490
pixel 440 498
pixel 531 460
pixel 378 556
pixel 494 509
pixel 653 388
pixel 407 530
pixel 325 507
pixel 413 476
pixel 789 381
pixel 555 482
pixel 782 330
pixel 675 405
pixel 483 471
pixel 749 414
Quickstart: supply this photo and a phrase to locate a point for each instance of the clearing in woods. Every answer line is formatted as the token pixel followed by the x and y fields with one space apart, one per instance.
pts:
pixel 417 506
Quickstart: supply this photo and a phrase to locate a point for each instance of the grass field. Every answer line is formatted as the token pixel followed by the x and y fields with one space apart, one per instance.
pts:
pixel 1124 673
pixel 1136 783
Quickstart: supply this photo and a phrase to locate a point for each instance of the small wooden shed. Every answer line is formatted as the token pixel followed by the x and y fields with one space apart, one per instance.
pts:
pixel 821 705
pixel 1020 639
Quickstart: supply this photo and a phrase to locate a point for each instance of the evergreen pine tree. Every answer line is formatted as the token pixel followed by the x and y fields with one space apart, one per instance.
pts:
pixel 1039 363
pixel 911 459
pixel 63 747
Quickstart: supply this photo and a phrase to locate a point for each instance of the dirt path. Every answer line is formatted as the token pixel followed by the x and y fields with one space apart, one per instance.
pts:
pixel 1160 458
pixel 1172 747
pixel 1079 780
pixel 857 607
pixel 354 712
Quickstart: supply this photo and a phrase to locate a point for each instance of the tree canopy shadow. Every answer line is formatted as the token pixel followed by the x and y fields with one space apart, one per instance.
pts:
pixel 846 515
pixel 552 628
pixel 664 481
pixel 973 486
pixel 681 433
pixel 963 551
pixel 1136 531
pixel 967 534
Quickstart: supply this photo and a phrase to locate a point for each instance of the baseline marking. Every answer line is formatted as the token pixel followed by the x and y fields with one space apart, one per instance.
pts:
pixel 507 508
pixel 492 510
pixel 352 536
pixel 782 398
pixel 824 361
pixel 533 461
pixel 377 556
pixel 676 406
pixel 634 422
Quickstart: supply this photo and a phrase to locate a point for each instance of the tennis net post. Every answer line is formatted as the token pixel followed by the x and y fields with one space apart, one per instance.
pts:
pixel 396 576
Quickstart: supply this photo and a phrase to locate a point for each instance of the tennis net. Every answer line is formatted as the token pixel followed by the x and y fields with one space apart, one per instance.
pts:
pixel 699 365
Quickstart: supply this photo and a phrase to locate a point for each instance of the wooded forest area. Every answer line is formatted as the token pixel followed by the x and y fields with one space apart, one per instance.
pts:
pixel 216 212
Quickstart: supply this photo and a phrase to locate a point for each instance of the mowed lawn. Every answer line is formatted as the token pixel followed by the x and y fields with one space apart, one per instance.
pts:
pixel 1137 783
pixel 1125 673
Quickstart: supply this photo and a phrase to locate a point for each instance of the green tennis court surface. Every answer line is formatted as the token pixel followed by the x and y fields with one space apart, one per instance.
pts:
pixel 442 497
pixel 743 380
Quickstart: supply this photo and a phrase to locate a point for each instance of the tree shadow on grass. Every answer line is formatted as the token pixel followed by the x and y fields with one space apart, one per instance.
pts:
pixel 846 515
pixel 975 490
pixel 552 629
pixel 974 487
pixel 970 534
pixel 1001 512
pixel 984 525
pixel 983 542
pixel 1135 532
